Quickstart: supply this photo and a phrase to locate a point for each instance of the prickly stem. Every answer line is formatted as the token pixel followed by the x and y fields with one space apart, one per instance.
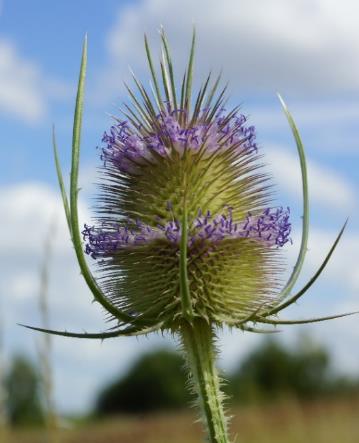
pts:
pixel 198 343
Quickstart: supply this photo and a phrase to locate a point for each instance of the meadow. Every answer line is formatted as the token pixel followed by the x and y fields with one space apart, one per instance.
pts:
pixel 333 421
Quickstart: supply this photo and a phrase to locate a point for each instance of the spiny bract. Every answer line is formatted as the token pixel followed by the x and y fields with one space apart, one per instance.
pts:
pixel 168 169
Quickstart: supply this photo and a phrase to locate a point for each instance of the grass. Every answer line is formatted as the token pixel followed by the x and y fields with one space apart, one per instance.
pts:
pixel 289 422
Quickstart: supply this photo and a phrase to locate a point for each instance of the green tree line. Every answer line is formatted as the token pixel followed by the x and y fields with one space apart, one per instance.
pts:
pixel 156 381
pixel 271 371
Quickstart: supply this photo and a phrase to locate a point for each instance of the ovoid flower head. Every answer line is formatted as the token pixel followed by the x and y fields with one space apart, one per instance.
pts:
pixel 175 179
pixel 184 227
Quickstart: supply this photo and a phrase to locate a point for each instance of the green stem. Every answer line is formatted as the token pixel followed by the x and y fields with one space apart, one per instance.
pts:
pixel 184 284
pixel 198 341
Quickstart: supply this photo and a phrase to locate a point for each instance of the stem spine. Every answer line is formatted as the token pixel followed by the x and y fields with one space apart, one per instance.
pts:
pixel 198 341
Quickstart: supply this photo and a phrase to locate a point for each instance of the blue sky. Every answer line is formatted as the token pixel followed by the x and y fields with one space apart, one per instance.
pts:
pixel 307 50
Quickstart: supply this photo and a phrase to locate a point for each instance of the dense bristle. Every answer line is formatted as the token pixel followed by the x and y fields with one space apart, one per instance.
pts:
pixel 164 162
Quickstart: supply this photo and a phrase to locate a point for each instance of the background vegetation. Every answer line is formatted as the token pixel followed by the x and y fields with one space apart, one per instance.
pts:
pixel 277 394
pixel 156 382
pixel 270 373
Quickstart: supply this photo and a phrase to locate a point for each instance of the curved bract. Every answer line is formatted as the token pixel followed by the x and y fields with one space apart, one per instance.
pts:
pixel 305 218
pixel 129 331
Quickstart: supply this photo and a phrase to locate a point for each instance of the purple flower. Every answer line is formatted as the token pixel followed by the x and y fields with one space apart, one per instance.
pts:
pixel 271 227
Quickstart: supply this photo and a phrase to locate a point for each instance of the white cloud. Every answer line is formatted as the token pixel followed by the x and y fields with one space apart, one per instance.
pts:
pixel 26 210
pixel 25 89
pixel 20 85
pixel 266 45
pixel 326 187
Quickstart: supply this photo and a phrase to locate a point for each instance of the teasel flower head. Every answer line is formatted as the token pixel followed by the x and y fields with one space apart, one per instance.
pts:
pixel 179 181
pixel 186 238
pixel 185 223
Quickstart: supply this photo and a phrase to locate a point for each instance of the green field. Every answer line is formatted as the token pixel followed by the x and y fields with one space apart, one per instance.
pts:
pixel 289 422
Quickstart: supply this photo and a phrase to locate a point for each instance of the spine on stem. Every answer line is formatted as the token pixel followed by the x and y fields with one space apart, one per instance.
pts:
pixel 198 341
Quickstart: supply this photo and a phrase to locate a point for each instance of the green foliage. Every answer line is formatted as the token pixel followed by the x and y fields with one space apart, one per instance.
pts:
pixel 273 371
pixel 156 382
pixel 270 372
pixel 23 400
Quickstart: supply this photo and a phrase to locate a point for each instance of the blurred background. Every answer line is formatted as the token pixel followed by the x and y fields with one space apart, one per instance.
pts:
pixel 283 389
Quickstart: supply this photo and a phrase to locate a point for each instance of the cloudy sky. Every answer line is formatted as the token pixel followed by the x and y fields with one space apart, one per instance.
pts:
pixel 307 50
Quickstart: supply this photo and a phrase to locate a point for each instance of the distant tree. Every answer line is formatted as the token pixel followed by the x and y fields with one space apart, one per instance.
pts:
pixel 22 387
pixel 272 370
pixel 311 369
pixel 155 382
